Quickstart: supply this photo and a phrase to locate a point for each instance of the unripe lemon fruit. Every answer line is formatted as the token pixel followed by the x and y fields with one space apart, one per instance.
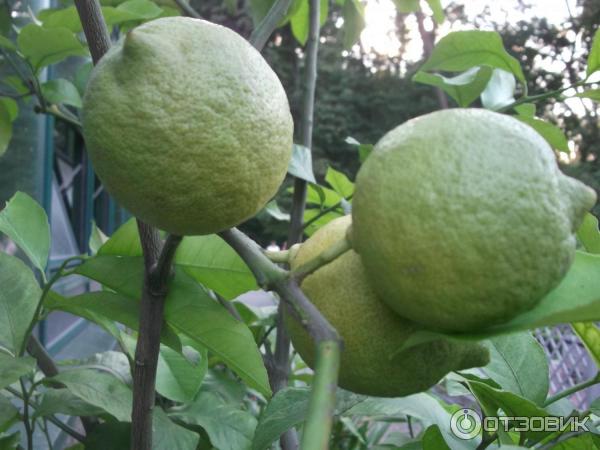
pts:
pixel 372 333
pixel 187 126
pixel 463 219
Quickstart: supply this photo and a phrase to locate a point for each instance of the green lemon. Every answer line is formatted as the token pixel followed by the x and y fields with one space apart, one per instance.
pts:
pixel 463 219
pixel 187 126
pixel 371 331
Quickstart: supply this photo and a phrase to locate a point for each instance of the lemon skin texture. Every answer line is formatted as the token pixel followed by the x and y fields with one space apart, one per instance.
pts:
pixel 187 126
pixel 371 331
pixel 463 219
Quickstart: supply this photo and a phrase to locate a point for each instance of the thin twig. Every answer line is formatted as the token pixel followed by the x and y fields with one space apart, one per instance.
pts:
pixel 567 392
pixel 26 422
pixel 325 257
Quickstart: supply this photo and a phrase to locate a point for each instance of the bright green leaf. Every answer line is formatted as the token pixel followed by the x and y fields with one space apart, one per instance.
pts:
pixel 24 221
pixel 592 94
pixel 299 20
pixel 61 91
pixel 140 9
pixel 11 368
pixel 124 242
pixel 61 18
pixel 464 88
pixel 11 107
pixel 438 11
pixel 45 46
pixel 518 364
pixel 228 427
pixel 191 311
pixel 589 334
pixel 322 196
pixel 462 50
pixel 100 389
pixel 593 61
pixel 589 235
pixel 339 182
pixel 19 297
pixel 553 134
pixel 5 128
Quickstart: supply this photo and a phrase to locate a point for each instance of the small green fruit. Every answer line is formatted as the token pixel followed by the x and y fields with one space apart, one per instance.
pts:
pixel 463 219
pixel 187 126
pixel 371 331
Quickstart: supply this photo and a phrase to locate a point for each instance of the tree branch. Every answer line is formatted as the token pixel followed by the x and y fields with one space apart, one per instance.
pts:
pixel 157 271
pixel 270 22
pixel 157 261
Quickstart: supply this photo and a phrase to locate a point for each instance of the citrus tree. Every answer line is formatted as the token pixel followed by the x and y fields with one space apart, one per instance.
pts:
pixel 407 315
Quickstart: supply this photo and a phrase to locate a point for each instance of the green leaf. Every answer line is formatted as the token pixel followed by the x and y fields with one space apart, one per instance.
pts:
pixel 434 440
pixel 575 299
pixel 322 196
pixel 100 307
pixel 593 61
pixel 99 389
pixel 339 182
pixel 228 427
pixel 140 9
pixel 299 20
pixel 24 221
pixel 588 234
pixel 592 94
pixel 438 11
pixel 16 84
pixel 526 109
pixel 553 134
pixel 104 308
pixel 62 401
pixel 61 18
pixel 97 239
pixel 518 364
pixel 354 22
pixel 9 414
pixel 500 91
pixel 464 88
pixel 11 107
pixel 82 76
pixel 108 435
pixel 124 242
pixel 301 164
pixel 170 436
pixel 5 128
pixel 364 150
pixel 7 44
pixel 10 441
pixel 122 274
pixel 207 259
pixel 19 297
pixel 190 311
pixel 61 91
pixel 178 377
pixel 587 441
pixel 589 333
pixel 512 405
pixel 45 46
pixel 286 409
pixel 423 407
pixel 462 50
pixel 12 368
pixel 273 210
pixel 213 263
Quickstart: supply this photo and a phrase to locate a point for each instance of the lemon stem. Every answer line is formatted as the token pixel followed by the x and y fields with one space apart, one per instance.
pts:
pixel 325 257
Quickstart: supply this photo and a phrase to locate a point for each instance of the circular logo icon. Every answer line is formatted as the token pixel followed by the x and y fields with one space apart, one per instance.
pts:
pixel 465 424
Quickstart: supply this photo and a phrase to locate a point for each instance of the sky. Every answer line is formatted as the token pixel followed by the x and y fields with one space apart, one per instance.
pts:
pixel 379 16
